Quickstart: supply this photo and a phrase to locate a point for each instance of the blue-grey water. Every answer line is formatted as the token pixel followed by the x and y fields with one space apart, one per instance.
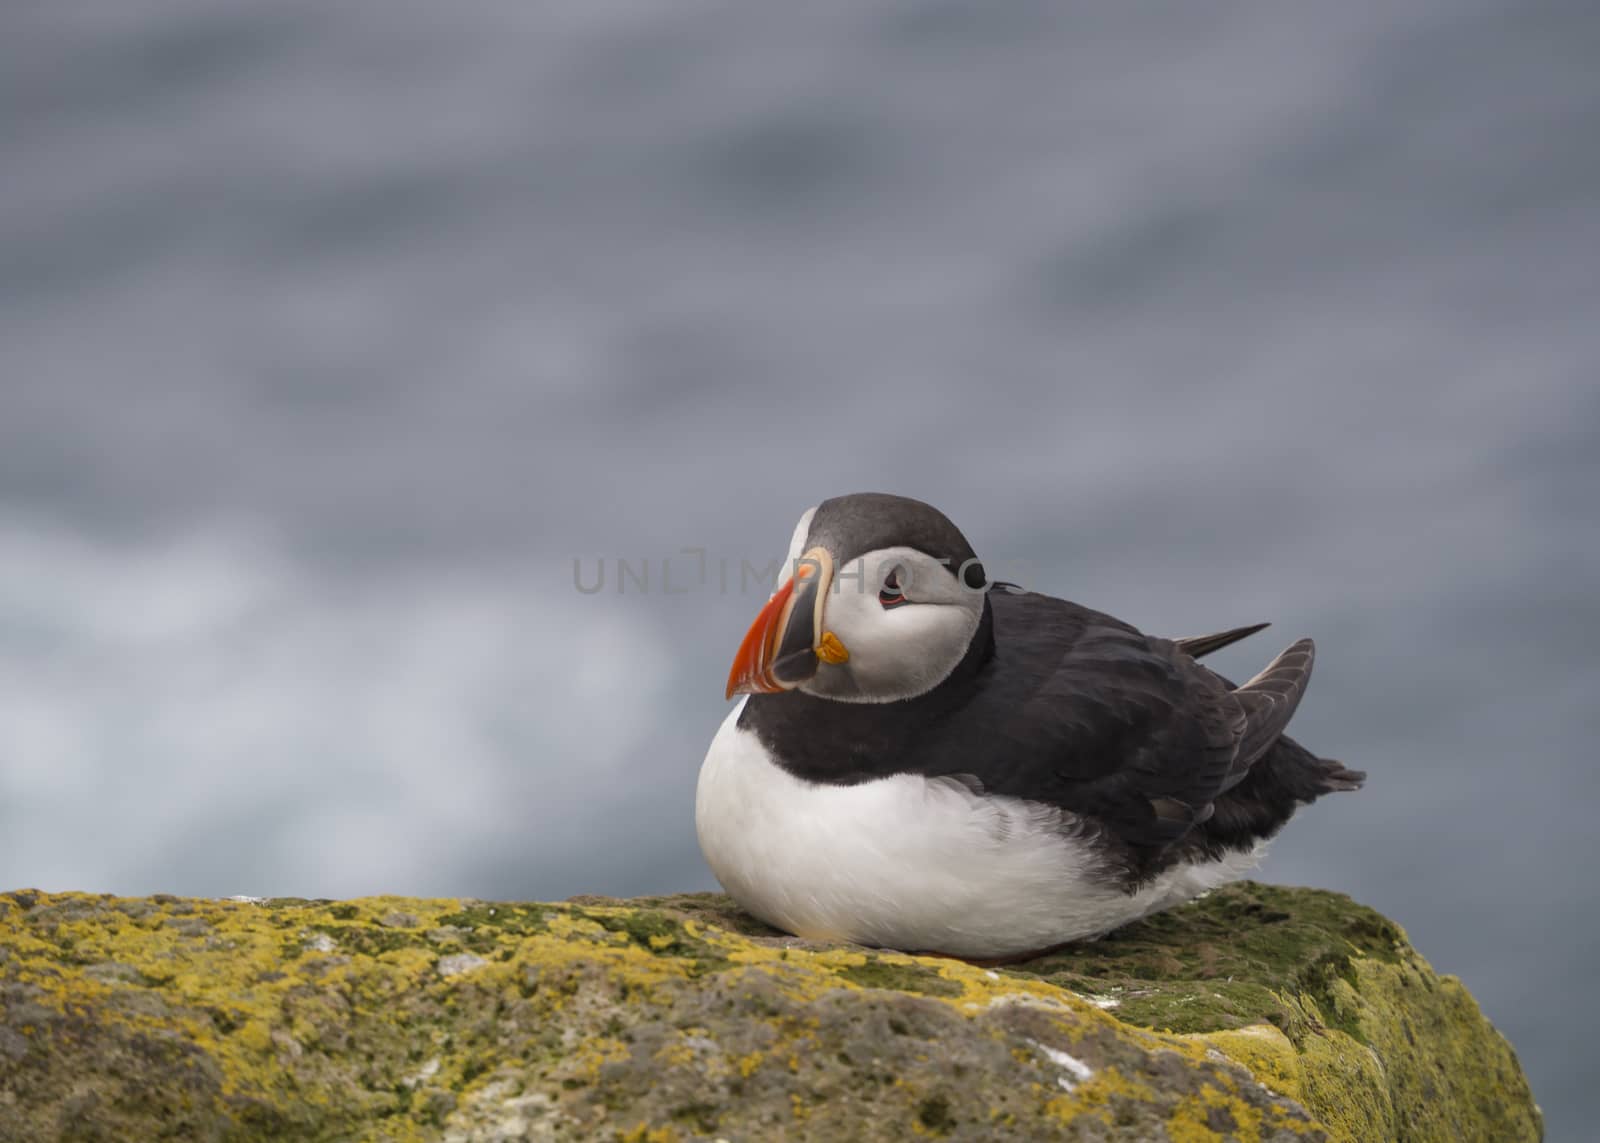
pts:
pixel 332 333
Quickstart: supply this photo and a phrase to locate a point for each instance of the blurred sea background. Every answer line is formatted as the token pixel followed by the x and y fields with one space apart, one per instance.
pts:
pixel 333 334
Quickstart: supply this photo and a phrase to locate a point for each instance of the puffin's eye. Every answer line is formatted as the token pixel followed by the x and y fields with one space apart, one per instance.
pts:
pixel 891 594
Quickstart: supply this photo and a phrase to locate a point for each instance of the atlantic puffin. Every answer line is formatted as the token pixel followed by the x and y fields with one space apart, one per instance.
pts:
pixel 931 762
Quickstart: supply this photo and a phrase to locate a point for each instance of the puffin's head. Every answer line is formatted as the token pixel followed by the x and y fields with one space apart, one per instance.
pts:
pixel 883 600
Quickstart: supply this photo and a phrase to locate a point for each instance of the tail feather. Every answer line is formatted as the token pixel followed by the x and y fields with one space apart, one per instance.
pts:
pixel 1287 777
pixel 1198 646
pixel 1269 700
pixel 1336 778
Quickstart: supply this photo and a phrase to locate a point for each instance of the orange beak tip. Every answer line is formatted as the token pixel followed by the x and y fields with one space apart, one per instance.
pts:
pixel 750 671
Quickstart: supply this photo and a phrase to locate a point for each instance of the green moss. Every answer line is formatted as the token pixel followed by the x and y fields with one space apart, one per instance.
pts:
pixel 648 928
pixel 483 925
pixel 916 978
pixel 1228 961
pixel 710 910
pixel 364 940
pixel 1238 958
pixel 1338 979
pixel 520 919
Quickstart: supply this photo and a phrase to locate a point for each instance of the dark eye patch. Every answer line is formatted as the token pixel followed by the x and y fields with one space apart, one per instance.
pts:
pixel 891 594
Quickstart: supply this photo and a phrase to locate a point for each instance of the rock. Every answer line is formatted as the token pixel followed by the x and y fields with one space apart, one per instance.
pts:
pixel 1257 1013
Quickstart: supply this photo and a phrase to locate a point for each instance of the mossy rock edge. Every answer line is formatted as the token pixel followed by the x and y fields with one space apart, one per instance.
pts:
pixel 1257 1013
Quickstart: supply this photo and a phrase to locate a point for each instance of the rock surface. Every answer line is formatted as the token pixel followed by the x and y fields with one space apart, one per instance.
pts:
pixel 1257 1013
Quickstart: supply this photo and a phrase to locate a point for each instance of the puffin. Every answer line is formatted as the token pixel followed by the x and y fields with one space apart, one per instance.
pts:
pixel 928 761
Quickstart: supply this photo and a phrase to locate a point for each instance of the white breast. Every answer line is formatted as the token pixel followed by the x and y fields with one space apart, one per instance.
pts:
pixel 908 862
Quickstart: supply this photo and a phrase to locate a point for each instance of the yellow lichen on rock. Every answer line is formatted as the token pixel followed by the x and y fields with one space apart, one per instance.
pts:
pixel 1291 1014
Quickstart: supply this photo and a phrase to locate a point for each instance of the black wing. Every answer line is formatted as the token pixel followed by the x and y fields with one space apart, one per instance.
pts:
pixel 1127 728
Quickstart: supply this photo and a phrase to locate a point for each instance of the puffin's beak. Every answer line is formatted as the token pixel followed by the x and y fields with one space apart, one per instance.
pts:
pixel 786 642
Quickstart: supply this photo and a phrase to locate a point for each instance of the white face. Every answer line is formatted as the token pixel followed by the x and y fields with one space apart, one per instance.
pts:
pixel 906 621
